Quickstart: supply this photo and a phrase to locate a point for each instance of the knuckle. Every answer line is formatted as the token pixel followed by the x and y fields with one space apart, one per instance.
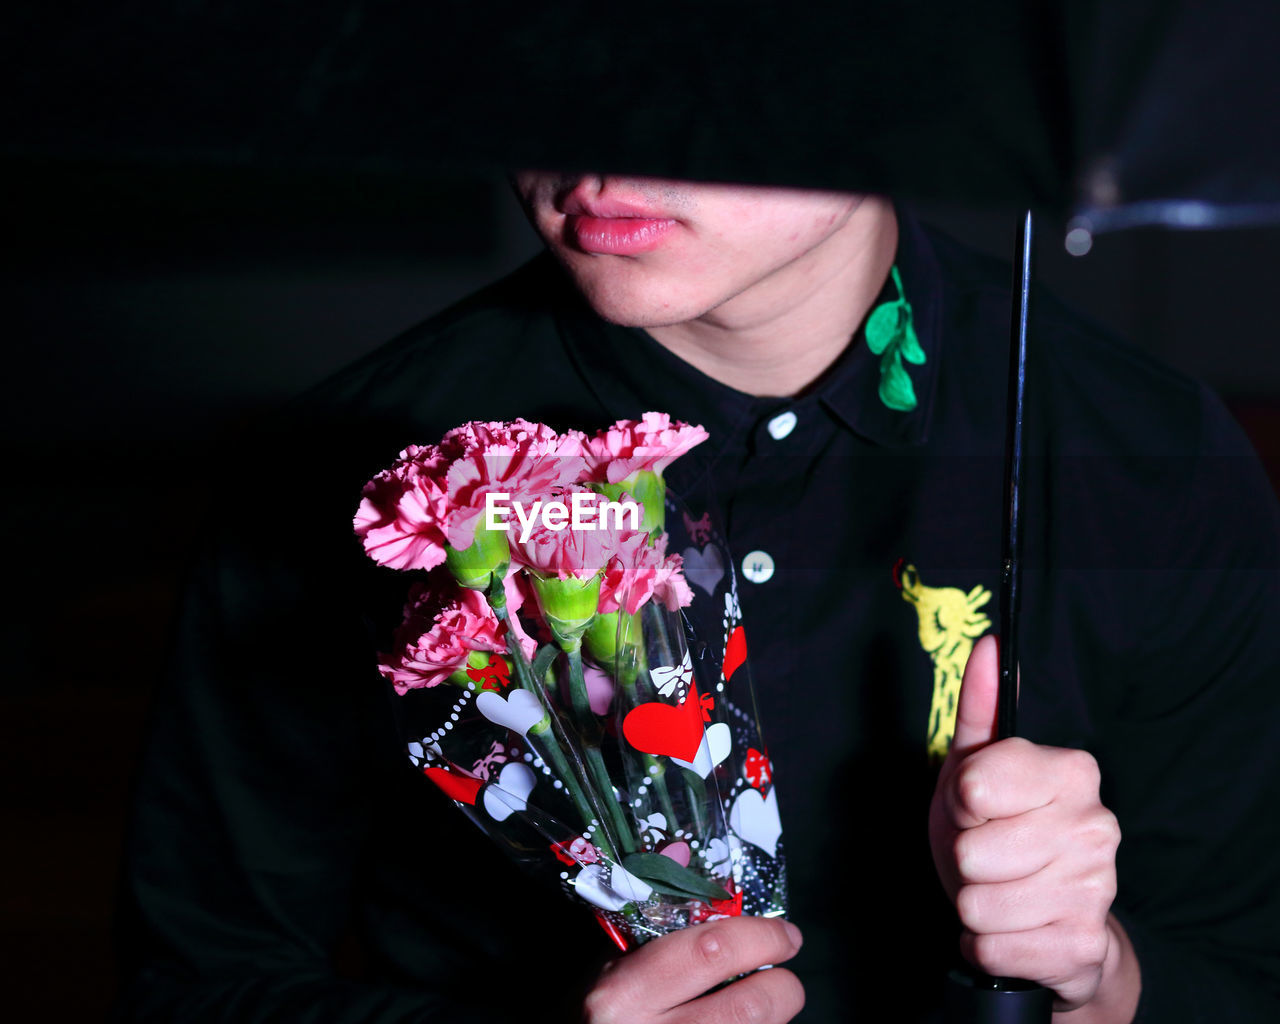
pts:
pixel 603 1005
pixel 969 907
pixel 751 1005
pixel 1081 768
pixel 987 953
pixel 1107 826
pixel 971 785
pixel 1099 887
pixel 710 946
pixel 1099 836
pixel 1089 945
pixel 964 848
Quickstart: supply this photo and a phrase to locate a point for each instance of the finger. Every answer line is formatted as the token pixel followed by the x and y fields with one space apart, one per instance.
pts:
pixel 976 707
pixel 1006 849
pixel 680 966
pixel 1066 959
pixel 1037 902
pixel 766 997
pixel 1014 777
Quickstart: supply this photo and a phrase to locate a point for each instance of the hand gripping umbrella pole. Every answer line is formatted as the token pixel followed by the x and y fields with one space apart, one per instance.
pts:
pixel 973 997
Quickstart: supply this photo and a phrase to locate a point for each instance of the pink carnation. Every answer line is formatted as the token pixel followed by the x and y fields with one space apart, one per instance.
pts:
pixel 520 459
pixel 652 442
pixel 669 585
pixel 403 511
pixel 439 633
pixel 638 572
pixel 433 496
pixel 565 552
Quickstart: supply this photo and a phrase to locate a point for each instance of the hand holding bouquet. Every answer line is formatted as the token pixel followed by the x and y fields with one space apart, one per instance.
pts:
pixel 551 681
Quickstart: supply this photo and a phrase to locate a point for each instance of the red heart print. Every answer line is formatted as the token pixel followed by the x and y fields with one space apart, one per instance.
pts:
pixel 673 730
pixel 759 771
pixel 455 785
pixel 735 652
pixel 731 907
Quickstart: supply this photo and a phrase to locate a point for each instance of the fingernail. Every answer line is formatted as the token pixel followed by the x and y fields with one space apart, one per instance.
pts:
pixel 793 933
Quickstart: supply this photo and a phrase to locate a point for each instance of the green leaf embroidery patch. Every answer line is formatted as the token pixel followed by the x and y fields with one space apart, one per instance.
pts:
pixel 891 335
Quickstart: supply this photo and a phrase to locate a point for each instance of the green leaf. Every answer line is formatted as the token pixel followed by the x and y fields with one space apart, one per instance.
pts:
pixel 896 390
pixel 542 661
pixel 911 350
pixel 883 325
pixel 672 879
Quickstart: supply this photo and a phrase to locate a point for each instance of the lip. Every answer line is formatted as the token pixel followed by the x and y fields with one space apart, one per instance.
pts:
pixel 615 235
pixel 609 223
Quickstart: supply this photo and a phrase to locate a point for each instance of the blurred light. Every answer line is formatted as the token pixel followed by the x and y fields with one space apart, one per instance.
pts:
pixel 1079 241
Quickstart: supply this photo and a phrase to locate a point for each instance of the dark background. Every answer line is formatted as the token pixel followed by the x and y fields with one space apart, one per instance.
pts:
pixel 154 310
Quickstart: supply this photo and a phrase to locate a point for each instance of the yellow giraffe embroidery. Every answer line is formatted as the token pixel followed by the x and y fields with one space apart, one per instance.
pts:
pixel 950 621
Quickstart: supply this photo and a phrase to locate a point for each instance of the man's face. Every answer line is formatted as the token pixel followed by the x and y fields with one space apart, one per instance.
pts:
pixel 648 252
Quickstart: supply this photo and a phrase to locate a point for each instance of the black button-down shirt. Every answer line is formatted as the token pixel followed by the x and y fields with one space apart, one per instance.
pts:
pixel 276 813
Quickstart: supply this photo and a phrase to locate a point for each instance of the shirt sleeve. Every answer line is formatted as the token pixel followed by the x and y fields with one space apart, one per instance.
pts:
pixel 272 807
pixel 1191 744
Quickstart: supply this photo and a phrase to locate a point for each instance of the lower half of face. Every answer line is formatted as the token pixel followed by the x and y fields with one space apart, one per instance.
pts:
pixel 648 252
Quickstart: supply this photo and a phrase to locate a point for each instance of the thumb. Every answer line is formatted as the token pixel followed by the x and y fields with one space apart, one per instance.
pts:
pixel 976 707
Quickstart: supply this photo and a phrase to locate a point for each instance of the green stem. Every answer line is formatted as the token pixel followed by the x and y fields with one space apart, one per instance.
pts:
pixel 695 793
pixel 629 676
pixel 694 796
pixel 551 738
pixel 659 782
pixel 589 730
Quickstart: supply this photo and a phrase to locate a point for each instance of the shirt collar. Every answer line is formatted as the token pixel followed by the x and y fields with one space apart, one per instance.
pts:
pixel 630 373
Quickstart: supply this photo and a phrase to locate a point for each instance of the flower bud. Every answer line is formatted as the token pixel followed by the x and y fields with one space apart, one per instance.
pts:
pixel 488 555
pixel 612 634
pixel 568 605
pixel 646 487
pixel 485 667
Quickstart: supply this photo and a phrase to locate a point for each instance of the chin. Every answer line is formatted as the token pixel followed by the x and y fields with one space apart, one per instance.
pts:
pixel 650 305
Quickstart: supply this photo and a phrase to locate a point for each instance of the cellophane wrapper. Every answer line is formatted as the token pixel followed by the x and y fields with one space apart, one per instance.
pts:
pixel 657 809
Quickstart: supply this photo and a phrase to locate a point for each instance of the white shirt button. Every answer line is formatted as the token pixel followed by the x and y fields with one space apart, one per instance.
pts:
pixel 757 566
pixel 782 424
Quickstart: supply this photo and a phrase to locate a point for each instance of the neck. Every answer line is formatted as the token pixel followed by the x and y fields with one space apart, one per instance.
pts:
pixel 780 335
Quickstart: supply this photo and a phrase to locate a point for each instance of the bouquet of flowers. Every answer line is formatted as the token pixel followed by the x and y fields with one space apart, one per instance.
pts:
pixel 551 678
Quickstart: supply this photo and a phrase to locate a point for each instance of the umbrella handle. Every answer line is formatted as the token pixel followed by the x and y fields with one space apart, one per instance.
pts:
pixel 973 997
pixel 976 998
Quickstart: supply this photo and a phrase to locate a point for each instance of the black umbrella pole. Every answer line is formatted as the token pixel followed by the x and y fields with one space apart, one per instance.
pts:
pixel 1011 539
pixel 973 997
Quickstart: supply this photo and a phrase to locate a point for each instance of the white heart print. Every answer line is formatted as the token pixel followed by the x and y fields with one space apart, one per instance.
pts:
pixel 520 712
pixel 621 889
pixel 755 818
pixel 511 793
pixel 703 567
pixel 716 745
